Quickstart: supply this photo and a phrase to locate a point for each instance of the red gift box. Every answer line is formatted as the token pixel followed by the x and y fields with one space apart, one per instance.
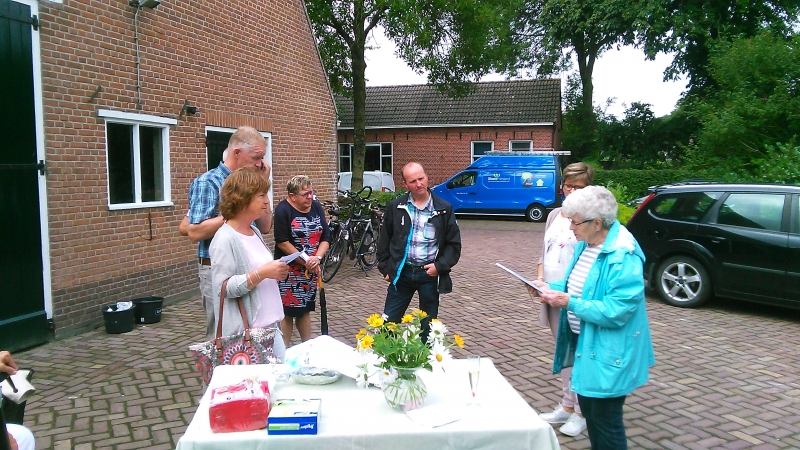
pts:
pixel 240 407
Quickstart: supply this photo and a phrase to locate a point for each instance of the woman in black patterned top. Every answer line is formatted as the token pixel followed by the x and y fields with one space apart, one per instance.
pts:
pixel 300 225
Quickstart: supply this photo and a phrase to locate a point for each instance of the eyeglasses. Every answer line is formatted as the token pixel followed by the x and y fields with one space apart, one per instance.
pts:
pixel 573 187
pixel 308 194
pixel 579 223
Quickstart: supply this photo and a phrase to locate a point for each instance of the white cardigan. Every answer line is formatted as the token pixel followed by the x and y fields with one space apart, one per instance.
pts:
pixel 229 262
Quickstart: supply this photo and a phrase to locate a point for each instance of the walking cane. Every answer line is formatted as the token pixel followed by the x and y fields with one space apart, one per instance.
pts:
pixel 323 306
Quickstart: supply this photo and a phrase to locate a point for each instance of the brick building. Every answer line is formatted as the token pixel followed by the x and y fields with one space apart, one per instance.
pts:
pixel 111 110
pixel 419 123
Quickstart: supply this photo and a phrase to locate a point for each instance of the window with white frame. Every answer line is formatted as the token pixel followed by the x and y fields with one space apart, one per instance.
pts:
pixel 378 157
pixel 520 146
pixel 217 141
pixel 480 148
pixel 137 159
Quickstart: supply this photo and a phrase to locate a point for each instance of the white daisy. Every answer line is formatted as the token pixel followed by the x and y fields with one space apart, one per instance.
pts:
pixel 386 376
pixel 439 355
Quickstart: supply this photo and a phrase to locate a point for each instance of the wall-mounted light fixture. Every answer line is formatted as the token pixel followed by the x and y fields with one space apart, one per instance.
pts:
pixel 152 4
pixel 189 110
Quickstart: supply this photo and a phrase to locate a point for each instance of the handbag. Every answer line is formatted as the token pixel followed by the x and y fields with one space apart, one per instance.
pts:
pixel 253 346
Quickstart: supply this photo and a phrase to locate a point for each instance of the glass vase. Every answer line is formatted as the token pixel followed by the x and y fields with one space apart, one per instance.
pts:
pixel 406 391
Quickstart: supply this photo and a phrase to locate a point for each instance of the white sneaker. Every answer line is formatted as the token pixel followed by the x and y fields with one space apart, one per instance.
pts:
pixel 557 416
pixel 575 425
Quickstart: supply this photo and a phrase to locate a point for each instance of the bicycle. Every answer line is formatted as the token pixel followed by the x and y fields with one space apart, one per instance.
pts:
pixel 353 236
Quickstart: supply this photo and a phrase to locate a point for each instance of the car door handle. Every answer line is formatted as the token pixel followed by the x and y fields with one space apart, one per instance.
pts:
pixel 473 193
pixel 718 239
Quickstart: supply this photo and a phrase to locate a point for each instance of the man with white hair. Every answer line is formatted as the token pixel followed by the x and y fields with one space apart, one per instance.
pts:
pixel 246 147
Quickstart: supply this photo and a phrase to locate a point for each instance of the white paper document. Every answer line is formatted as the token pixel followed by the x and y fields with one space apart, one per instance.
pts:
pixel 438 414
pixel 289 258
pixel 523 279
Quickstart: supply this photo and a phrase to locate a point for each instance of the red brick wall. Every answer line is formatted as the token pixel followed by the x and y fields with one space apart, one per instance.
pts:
pixel 239 62
pixel 445 151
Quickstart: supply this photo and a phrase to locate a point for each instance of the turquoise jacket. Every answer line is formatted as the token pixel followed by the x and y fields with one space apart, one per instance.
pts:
pixel 613 352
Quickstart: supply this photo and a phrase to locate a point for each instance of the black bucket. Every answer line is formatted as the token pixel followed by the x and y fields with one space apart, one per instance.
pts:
pixel 148 309
pixel 117 321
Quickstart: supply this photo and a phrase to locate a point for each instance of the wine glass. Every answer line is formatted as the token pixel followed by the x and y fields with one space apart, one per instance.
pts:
pixel 474 369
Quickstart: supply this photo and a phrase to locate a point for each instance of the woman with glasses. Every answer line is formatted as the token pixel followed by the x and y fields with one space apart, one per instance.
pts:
pixel 559 244
pixel 609 345
pixel 300 225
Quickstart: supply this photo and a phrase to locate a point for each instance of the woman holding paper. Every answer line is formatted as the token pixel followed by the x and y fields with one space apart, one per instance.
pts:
pixel 559 245
pixel 609 346
pixel 300 226
pixel 239 255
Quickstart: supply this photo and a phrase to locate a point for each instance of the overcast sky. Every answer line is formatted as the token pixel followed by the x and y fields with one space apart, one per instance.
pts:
pixel 622 74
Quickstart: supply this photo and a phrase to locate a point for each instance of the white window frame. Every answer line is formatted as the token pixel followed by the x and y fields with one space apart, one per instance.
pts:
pixel 472 147
pixel 381 155
pixel 391 157
pixel 136 120
pixel 528 141
pixel 339 157
pixel 267 157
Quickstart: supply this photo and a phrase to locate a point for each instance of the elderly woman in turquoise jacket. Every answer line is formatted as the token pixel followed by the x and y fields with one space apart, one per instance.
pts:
pixel 607 341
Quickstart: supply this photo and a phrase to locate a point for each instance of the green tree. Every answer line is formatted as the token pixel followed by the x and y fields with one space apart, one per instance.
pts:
pixel 691 28
pixel 552 32
pixel 454 41
pixel 756 104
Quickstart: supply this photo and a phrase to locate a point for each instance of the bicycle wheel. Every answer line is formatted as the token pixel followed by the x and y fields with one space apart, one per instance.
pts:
pixel 333 259
pixel 368 252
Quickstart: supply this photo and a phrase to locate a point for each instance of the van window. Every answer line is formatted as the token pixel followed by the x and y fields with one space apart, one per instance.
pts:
pixel 759 211
pixel 466 179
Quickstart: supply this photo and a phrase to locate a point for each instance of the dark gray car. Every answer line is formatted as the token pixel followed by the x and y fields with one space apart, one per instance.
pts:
pixel 732 240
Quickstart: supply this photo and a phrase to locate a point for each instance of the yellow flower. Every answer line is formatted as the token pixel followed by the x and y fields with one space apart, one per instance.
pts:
pixel 435 320
pixel 361 333
pixel 407 318
pixel 391 326
pixel 459 340
pixel 375 321
pixel 420 313
pixel 366 342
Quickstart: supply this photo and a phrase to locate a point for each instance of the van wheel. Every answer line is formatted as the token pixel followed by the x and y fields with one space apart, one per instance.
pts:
pixel 683 282
pixel 535 213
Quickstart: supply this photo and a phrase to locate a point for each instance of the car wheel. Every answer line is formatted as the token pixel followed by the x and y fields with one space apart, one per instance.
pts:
pixel 683 282
pixel 535 213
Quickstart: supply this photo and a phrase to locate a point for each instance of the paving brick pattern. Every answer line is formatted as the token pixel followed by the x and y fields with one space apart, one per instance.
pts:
pixel 726 374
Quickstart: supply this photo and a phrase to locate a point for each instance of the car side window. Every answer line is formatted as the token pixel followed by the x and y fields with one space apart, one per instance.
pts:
pixel 687 206
pixel 466 179
pixel 759 211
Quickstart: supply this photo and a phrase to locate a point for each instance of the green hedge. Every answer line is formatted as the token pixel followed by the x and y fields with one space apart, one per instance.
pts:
pixel 636 181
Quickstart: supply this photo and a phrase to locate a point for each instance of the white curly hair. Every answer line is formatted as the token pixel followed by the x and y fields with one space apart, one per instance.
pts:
pixel 592 202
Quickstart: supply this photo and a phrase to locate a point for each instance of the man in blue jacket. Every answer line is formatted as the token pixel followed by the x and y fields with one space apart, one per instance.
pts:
pixel 419 244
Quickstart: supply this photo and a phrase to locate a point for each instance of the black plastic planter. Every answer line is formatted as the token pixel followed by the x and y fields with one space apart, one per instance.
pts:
pixel 117 321
pixel 148 309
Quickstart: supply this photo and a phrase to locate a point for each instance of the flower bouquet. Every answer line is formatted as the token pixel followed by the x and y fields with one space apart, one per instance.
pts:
pixel 396 351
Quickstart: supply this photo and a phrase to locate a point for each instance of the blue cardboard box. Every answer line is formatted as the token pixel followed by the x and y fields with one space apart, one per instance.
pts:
pixel 294 416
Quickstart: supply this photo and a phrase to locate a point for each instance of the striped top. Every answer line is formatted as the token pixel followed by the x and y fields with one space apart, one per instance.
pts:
pixel 576 279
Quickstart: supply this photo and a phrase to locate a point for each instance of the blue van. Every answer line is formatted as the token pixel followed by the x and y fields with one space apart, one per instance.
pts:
pixel 507 183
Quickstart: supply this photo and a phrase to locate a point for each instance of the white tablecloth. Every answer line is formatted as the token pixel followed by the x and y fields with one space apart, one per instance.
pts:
pixel 354 418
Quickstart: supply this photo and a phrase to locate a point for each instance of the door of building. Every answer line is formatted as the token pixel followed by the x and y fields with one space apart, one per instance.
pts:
pixel 23 320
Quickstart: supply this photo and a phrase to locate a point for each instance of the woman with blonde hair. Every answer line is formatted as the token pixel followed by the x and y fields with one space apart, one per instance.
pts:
pixel 239 255
pixel 300 226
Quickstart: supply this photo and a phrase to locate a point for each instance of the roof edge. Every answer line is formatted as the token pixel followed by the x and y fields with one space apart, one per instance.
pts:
pixel 451 125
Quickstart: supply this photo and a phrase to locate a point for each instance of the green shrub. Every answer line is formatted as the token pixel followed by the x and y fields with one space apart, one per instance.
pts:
pixel 635 182
pixel 624 213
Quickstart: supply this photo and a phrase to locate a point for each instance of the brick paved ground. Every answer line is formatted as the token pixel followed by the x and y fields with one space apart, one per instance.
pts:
pixel 726 375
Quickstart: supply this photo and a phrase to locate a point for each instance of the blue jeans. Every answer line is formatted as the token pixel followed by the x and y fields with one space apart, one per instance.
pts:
pixel 398 296
pixel 604 422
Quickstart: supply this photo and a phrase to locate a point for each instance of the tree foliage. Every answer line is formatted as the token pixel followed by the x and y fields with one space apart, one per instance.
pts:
pixel 691 28
pixel 551 32
pixel 454 41
pixel 757 100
